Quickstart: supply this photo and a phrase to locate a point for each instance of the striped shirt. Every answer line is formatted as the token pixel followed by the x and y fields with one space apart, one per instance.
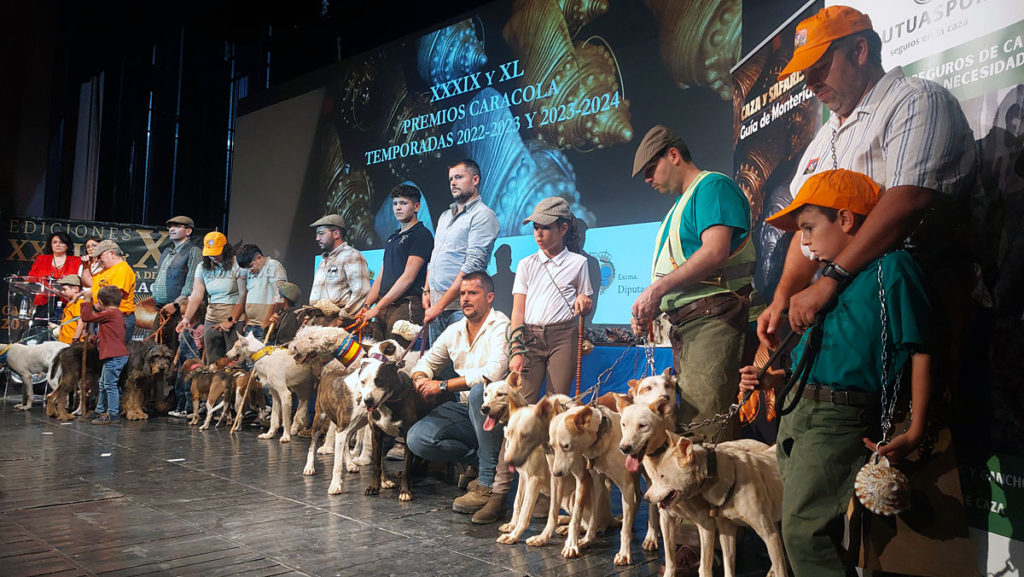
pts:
pixel 905 131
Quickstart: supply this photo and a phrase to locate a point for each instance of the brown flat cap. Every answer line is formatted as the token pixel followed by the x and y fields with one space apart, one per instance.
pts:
pixel 654 142
pixel 549 210
pixel 70 280
pixel 330 220
pixel 182 220
pixel 288 290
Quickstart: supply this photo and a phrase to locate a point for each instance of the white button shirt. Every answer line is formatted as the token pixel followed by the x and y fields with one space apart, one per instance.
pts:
pixel 547 303
pixel 485 357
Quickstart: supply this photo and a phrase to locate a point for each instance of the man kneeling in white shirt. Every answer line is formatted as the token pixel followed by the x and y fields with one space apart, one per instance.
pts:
pixel 454 431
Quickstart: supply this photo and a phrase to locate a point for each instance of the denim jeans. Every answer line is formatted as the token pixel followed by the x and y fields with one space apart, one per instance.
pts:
pixel 108 398
pixel 129 327
pixel 454 432
pixel 443 321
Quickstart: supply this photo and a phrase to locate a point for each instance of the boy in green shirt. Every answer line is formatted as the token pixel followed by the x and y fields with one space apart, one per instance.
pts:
pixel 824 442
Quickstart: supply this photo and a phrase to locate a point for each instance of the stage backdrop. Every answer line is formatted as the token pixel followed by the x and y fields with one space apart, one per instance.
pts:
pixel 550 98
pixel 25 238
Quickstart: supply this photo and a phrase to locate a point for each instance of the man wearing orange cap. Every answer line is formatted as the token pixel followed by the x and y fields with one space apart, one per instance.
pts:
pixel 823 443
pixel 907 134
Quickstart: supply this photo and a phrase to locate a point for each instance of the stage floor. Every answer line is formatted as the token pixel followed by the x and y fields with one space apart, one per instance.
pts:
pixel 159 497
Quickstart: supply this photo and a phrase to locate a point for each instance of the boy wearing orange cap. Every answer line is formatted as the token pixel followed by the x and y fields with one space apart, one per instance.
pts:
pixel 875 332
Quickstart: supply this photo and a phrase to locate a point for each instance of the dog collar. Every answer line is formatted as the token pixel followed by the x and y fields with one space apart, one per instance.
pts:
pixel 659 450
pixel 378 356
pixel 348 351
pixel 262 353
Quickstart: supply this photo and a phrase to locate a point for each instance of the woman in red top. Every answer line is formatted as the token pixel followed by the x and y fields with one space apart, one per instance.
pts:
pixel 56 262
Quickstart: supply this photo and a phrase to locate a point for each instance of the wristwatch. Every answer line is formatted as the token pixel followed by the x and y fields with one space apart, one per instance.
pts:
pixel 836 273
pixel 443 386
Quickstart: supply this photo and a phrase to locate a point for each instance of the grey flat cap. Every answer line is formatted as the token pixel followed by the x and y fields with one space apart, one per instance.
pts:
pixel 549 210
pixel 654 142
pixel 288 290
pixel 330 220
pixel 70 280
pixel 106 245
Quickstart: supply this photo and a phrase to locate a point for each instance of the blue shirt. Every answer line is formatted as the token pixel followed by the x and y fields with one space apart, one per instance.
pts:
pixel 462 243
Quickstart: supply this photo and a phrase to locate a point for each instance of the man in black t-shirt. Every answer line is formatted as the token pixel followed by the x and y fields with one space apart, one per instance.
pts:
pixel 404 270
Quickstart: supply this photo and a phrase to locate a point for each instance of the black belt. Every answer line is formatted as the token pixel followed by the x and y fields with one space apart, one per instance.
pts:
pixel 827 394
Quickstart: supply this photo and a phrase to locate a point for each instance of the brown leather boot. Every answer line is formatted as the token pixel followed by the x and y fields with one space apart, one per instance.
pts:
pixel 491 511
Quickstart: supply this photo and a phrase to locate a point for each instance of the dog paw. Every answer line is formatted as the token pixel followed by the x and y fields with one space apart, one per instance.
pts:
pixel 650 544
pixel 506 528
pixel 66 417
pixel 265 436
pixel 309 471
pixel 570 551
pixel 21 407
pixel 325 450
pixel 623 559
pixel 202 427
pixel 351 468
pixel 387 484
pixel 334 489
pixel 372 490
pixel 362 461
pixel 405 495
pixel 286 439
pixel 537 541
pixel 562 530
pixel 506 539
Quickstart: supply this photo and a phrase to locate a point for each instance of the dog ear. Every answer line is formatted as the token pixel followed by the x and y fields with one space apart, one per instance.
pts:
pixel 661 407
pixel 633 385
pixel 545 408
pixel 622 401
pixel 669 374
pixel 684 451
pixel 581 419
pixel 388 348
pixel 513 380
pixel 513 403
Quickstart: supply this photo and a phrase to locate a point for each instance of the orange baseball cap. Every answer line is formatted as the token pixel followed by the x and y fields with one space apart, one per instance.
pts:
pixel 213 243
pixel 815 34
pixel 831 189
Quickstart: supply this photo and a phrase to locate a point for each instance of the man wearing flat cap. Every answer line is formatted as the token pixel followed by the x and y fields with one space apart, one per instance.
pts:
pixel 907 134
pixel 700 277
pixel 177 266
pixel 342 276
pixel 116 272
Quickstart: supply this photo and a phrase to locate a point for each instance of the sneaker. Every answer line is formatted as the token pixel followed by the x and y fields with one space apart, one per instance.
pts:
pixel 467 477
pixel 177 414
pixel 475 498
pixel 397 452
pixel 102 419
pixel 492 510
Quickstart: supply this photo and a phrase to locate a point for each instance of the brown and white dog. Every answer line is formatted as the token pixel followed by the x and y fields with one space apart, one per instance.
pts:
pixel 206 384
pixel 28 360
pixel 278 371
pixel 743 489
pixel 594 434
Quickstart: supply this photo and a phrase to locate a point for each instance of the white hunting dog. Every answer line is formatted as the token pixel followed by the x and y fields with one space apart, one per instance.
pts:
pixel 278 371
pixel 28 360
pixel 744 488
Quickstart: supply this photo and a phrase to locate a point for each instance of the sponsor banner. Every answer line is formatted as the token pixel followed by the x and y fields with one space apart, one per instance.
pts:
pixel 994 490
pixel 25 238
pixel 978 67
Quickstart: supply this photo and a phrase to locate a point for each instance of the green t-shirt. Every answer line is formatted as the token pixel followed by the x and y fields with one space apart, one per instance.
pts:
pixel 851 346
pixel 716 201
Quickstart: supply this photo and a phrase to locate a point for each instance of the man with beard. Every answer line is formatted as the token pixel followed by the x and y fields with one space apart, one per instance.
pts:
pixel 397 293
pixel 463 241
pixel 177 267
pixel 454 431
pixel 342 276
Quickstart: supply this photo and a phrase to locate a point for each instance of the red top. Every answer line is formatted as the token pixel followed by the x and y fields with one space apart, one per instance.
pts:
pixel 111 330
pixel 43 267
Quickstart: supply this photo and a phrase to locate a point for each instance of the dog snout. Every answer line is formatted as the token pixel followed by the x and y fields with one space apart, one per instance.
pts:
pixel 485 409
pixel 368 401
pixel 626 448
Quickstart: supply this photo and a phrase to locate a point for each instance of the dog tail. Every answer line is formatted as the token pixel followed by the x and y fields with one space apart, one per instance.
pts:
pixel 55 373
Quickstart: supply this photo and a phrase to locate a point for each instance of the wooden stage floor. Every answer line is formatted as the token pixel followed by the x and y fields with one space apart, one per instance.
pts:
pixel 159 497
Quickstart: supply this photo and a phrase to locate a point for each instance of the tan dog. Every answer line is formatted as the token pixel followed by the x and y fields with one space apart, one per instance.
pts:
pixel 246 389
pixel 204 383
pixel 594 434
pixel 746 489
pixel 334 406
